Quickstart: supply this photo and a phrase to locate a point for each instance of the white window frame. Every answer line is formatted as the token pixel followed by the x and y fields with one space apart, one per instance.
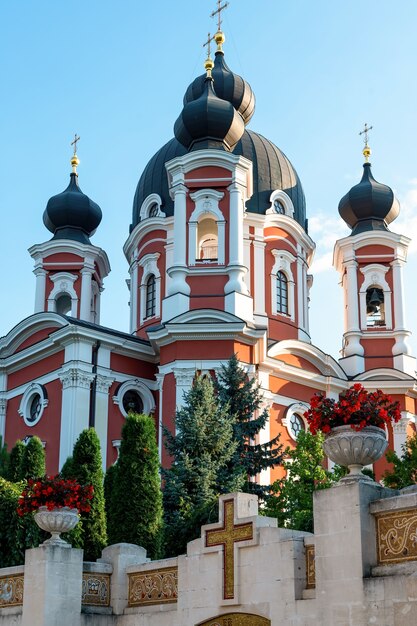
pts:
pixel 149 263
pixel 148 203
pixel 144 392
pixel 32 390
pixel 206 207
pixel 285 200
pixel 374 276
pixel 283 261
pixel 298 408
pixel 63 285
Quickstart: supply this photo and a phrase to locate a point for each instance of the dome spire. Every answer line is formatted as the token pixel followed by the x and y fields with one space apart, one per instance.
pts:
pixel 75 161
pixel 219 37
pixel 208 63
pixel 367 150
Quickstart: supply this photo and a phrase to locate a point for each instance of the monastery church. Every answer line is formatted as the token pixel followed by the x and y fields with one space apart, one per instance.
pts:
pixel 219 255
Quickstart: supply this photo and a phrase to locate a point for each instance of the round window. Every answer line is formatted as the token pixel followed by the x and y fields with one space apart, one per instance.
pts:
pixel 35 409
pixel 296 425
pixel 132 402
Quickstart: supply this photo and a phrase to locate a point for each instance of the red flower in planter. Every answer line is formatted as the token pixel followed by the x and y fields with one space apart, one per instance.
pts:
pixel 356 407
pixel 54 492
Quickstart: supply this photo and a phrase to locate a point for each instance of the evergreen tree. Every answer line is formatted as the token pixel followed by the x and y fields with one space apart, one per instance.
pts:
pixel 243 397
pixel 404 471
pixel 4 459
pixel 15 462
pixel 202 449
pixel 292 499
pixel 135 507
pixel 85 466
pixel 33 460
pixel 108 489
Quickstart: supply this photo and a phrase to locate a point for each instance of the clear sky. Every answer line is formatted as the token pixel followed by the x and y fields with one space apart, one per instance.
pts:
pixel 115 73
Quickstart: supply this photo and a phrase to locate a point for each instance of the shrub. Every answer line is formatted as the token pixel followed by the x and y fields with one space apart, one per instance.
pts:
pixel 33 460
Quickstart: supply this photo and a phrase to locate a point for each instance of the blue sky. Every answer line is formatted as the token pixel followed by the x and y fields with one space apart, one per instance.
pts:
pixel 115 73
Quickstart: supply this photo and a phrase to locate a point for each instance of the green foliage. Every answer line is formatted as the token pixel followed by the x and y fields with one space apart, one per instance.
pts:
pixel 108 487
pixel 14 473
pixel 33 460
pixel 404 471
pixel 202 449
pixel 16 533
pixel 242 396
pixel 292 502
pixel 4 459
pixel 135 502
pixel 85 466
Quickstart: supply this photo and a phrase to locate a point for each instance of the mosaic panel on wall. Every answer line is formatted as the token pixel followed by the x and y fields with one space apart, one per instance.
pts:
pixel 11 590
pixel 310 567
pixel 95 589
pixel 159 586
pixel 397 536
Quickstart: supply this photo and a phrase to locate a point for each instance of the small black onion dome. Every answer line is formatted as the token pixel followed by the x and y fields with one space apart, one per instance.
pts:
pixel 209 122
pixel 71 214
pixel 228 86
pixel 369 205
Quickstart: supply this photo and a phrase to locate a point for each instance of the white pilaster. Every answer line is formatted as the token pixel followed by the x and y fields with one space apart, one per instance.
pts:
pixel 86 291
pixel 40 274
pixel 3 407
pixel 160 381
pixel 259 273
pixel 184 377
pixel 134 285
pixel 103 384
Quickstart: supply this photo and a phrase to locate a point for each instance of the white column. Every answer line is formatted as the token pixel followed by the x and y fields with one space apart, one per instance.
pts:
pixel 40 295
pixel 192 242
pixel 3 407
pixel 160 381
pixel 183 381
pixel 398 293
pixel 103 385
pixel 259 274
pixel 352 318
pixel 236 225
pixel 134 285
pixel 400 432
pixel 86 293
pixel 75 408
pixel 300 290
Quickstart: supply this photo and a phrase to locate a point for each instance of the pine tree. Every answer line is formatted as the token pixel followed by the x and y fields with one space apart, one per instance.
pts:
pixel 15 462
pixel 292 499
pixel 85 466
pixel 202 449
pixel 135 507
pixel 33 460
pixel 404 472
pixel 243 397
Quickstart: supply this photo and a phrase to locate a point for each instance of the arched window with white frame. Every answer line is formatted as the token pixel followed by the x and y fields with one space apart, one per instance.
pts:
pixel 282 284
pixel 150 288
pixel 206 229
pixel 282 293
pixel 150 297
pixel 375 297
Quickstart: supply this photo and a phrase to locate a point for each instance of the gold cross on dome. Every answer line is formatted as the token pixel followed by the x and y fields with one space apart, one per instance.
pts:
pixel 218 12
pixel 74 143
pixel 367 150
pixel 208 44
pixel 226 537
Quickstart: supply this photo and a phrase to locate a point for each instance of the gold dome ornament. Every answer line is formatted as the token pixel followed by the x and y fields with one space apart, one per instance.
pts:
pixel 75 161
pixel 219 38
pixel 208 63
pixel 367 150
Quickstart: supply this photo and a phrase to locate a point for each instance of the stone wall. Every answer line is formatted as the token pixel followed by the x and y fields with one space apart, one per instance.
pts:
pixel 360 567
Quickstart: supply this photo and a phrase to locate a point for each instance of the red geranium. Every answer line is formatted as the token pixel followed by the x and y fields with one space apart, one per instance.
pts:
pixel 54 493
pixel 356 407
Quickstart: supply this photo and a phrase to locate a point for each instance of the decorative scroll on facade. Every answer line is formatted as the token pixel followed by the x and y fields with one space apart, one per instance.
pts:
pixel 311 567
pixel 237 619
pixel 95 589
pixel 11 590
pixel 158 586
pixel 397 536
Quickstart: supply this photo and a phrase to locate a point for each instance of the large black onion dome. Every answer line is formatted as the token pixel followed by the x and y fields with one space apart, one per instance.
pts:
pixel 369 205
pixel 271 170
pixel 71 214
pixel 209 122
pixel 228 86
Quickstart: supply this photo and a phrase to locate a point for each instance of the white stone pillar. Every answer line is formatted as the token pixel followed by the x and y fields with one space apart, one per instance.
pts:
pixel 103 385
pixel 400 432
pixel 86 293
pixel 352 318
pixel 52 586
pixel 3 407
pixel 236 225
pixel 160 381
pixel 75 408
pixel 184 377
pixel 120 556
pixel 134 286
pixel 397 279
pixel 300 290
pixel 259 272
pixel 40 295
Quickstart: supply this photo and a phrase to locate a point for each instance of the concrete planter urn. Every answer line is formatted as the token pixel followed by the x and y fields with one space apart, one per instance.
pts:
pixel 355 449
pixel 57 521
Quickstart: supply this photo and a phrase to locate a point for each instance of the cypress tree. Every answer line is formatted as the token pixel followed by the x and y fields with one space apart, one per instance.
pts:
pixel 108 489
pixel 15 462
pixel 33 460
pixel 135 507
pixel 202 449
pixel 85 466
pixel 243 397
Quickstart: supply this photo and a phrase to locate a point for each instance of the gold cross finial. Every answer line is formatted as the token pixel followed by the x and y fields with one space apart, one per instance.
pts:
pixel 208 64
pixel 75 161
pixel 218 12
pixel 367 150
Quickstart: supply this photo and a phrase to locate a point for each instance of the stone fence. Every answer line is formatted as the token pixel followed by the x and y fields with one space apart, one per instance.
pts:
pixel 359 567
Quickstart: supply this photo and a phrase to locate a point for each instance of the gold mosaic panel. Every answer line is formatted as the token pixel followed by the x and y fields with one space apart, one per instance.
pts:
pixel 95 589
pixel 396 533
pixel 158 586
pixel 311 567
pixel 11 590
pixel 237 619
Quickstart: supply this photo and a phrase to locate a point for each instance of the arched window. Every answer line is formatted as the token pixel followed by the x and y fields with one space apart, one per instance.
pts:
pixel 375 313
pixel 282 293
pixel 63 304
pixel 150 297
pixel 279 207
pixel 207 240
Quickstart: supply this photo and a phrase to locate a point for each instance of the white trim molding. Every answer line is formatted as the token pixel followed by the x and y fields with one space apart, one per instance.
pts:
pixel 144 392
pixel 149 263
pixel 206 207
pixel 283 260
pixel 63 284
pixel 284 199
pixel 299 408
pixel 148 203
pixel 374 276
pixel 34 389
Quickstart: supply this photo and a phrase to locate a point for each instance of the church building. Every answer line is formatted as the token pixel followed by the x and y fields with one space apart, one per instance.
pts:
pixel 218 253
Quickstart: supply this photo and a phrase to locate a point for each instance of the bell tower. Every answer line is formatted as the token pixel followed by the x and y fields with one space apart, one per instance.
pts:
pixel 370 262
pixel 69 269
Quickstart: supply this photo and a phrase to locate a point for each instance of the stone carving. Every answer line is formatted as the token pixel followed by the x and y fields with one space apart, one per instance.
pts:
pixel 159 586
pixel 11 590
pixel 95 589
pixel 184 376
pixel 3 405
pixel 103 383
pixel 310 567
pixel 76 378
pixel 397 536
pixel 237 619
